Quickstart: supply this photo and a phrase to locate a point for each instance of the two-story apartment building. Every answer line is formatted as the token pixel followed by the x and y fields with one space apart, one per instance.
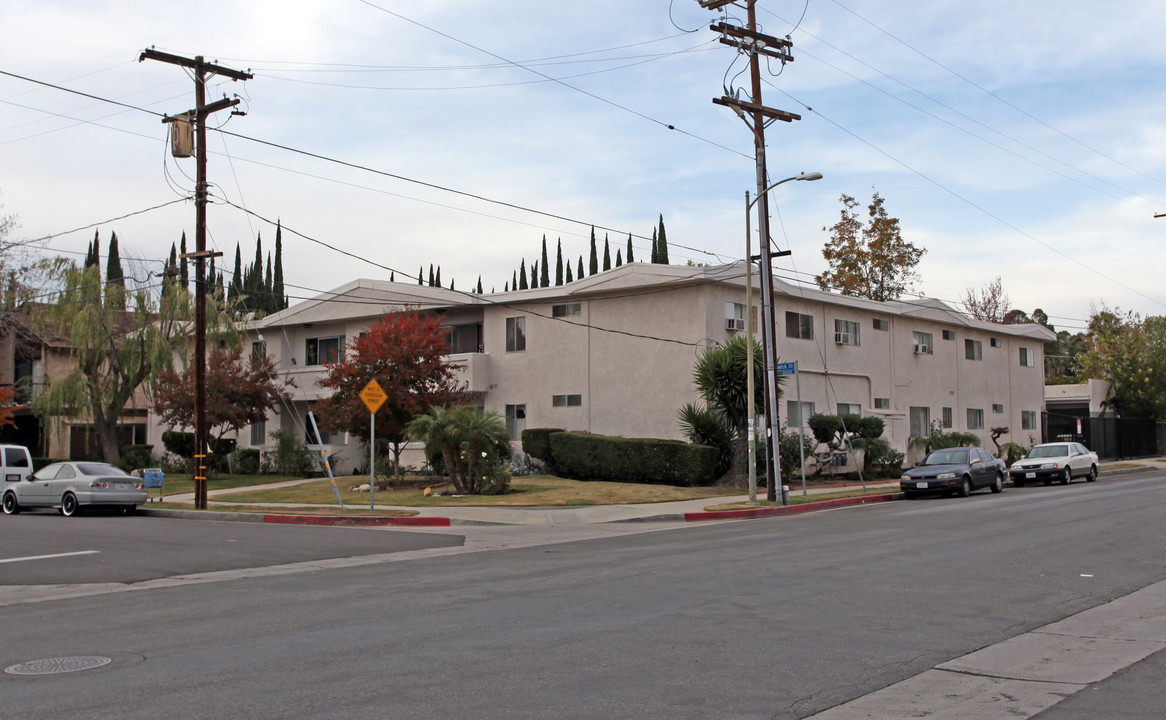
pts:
pixel 613 353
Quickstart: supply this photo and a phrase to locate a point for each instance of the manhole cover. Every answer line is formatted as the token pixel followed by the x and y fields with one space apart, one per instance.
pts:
pixel 54 666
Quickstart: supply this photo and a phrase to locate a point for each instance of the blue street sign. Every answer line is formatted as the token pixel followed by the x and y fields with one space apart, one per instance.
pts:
pixel 786 368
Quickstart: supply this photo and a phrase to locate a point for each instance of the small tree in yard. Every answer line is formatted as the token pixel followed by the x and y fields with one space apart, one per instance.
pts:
pixel 721 378
pixel 403 352
pixel 473 445
pixel 239 392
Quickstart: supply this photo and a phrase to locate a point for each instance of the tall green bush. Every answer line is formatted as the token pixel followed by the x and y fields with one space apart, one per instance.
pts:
pixel 599 457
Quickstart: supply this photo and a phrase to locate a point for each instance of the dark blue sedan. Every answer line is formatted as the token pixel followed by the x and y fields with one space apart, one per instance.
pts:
pixel 954 471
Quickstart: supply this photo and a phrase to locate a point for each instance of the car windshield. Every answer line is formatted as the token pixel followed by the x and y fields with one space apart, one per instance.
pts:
pixel 99 469
pixel 1043 451
pixel 953 456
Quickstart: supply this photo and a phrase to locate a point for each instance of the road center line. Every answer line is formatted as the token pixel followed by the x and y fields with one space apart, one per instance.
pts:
pixel 47 557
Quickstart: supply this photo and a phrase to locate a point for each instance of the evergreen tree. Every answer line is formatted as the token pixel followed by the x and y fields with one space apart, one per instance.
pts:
pixel 392 276
pixel 545 266
pixel 255 280
pixel 522 276
pixel 655 255
pixel 506 287
pixel 534 282
pixel 269 305
pixel 559 264
pixel 277 285
pixel 606 254
pixel 210 277
pixel 235 291
pixel 430 274
pixel 618 258
pixel 631 259
pixel 479 284
pixel 170 272
pixel 593 266
pixel 662 245
pixel 569 278
pixel 580 274
pixel 92 256
pixel 420 274
pixel 115 282
pixel 437 277
pixel 451 283
pixel 183 266
pixel 514 280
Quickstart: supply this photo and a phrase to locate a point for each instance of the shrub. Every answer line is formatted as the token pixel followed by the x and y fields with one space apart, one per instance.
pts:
pixel 536 442
pixel 134 457
pixel 247 461
pixel 598 457
pixel 290 456
pixel 883 458
pixel 179 443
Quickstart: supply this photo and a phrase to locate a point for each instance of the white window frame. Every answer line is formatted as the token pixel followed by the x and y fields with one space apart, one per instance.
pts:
pixel 805 325
pixel 796 416
pixel 319 354
pixel 1027 357
pixel 569 400
pixel 923 342
pixel 735 317
pixel 975 419
pixel 849 409
pixel 919 418
pixel 973 349
pixel 1028 420
pixel 846 332
pixel 882 403
pixel 516 334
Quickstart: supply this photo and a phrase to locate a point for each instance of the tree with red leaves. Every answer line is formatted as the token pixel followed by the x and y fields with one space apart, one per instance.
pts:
pixel 403 352
pixel 239 392
pixel 7 407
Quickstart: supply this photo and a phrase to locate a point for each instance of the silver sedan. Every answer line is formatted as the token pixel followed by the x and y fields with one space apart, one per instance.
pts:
pixel 71 486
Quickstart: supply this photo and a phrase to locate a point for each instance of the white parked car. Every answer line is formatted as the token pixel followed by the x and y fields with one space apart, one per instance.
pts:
pixel 71 486
pixel 1061 461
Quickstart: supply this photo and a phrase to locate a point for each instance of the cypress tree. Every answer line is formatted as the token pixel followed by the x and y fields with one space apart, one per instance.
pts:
pixel 545 275
pixel 183 266
pixel 569 278
pixel 115 283
pixel 235 291
pixel 437 277
pixel 618 258
pixel 430 274
pixel 451 283
pixel 506 287
pixel 559 264
pixel 255 283
pixel 534 283
pixel 268 297
pixel 655 255
pixel 168 271
pixel 92 256
pixel 662 249
pixel 392 276
pixel 593 266
pixel 479 284
pixel 514 280
pixel 420 273
pixel 631 259
pixel 579 275
pixel 277 286
pixel 522 276
pixel 606 254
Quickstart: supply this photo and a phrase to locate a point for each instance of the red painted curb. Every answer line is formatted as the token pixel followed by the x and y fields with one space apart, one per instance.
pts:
pixel 357 521
pixel 787 509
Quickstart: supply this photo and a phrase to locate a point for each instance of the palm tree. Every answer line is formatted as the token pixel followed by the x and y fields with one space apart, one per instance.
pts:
pixel 463 436
pixel 721 378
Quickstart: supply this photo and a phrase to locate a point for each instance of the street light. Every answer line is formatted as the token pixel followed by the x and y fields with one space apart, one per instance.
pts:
pixel 768 342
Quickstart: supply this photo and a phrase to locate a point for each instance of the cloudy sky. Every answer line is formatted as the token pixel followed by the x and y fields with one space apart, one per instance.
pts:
pixel 1020 140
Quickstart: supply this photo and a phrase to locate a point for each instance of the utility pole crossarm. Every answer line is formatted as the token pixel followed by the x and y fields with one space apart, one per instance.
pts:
pixel 197 64
pixel 746 106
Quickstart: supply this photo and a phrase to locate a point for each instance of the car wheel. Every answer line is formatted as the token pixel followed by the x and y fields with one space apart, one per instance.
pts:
pixel 11 507
pixel 998 485
pixel 1092 474
pixel 965 487
pixel 1068 476
pixel 69 505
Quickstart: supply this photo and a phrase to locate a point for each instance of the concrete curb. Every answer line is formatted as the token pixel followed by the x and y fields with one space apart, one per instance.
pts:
pixel 288 519
pixel 749 513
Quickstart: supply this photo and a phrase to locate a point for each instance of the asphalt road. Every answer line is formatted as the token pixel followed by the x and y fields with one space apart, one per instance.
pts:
pixel 772 618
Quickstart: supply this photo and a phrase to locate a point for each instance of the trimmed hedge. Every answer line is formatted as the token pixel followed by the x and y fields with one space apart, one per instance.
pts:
pixel 644 460
pixel 135 457
pixel 536 442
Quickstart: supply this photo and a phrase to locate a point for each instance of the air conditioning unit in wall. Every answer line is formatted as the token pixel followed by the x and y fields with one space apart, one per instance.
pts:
pixel 734 324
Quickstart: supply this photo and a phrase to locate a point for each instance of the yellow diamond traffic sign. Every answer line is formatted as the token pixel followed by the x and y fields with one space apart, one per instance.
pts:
pixel 373 396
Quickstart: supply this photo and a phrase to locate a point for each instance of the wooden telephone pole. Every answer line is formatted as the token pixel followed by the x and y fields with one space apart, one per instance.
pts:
pixel 755 115
pixel 198 116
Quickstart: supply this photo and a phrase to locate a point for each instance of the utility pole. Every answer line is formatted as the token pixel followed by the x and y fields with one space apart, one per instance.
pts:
pixel 755 115
pixel 198 116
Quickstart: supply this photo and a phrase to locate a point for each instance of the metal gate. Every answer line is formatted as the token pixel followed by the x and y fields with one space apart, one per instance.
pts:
pixel 1109 437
